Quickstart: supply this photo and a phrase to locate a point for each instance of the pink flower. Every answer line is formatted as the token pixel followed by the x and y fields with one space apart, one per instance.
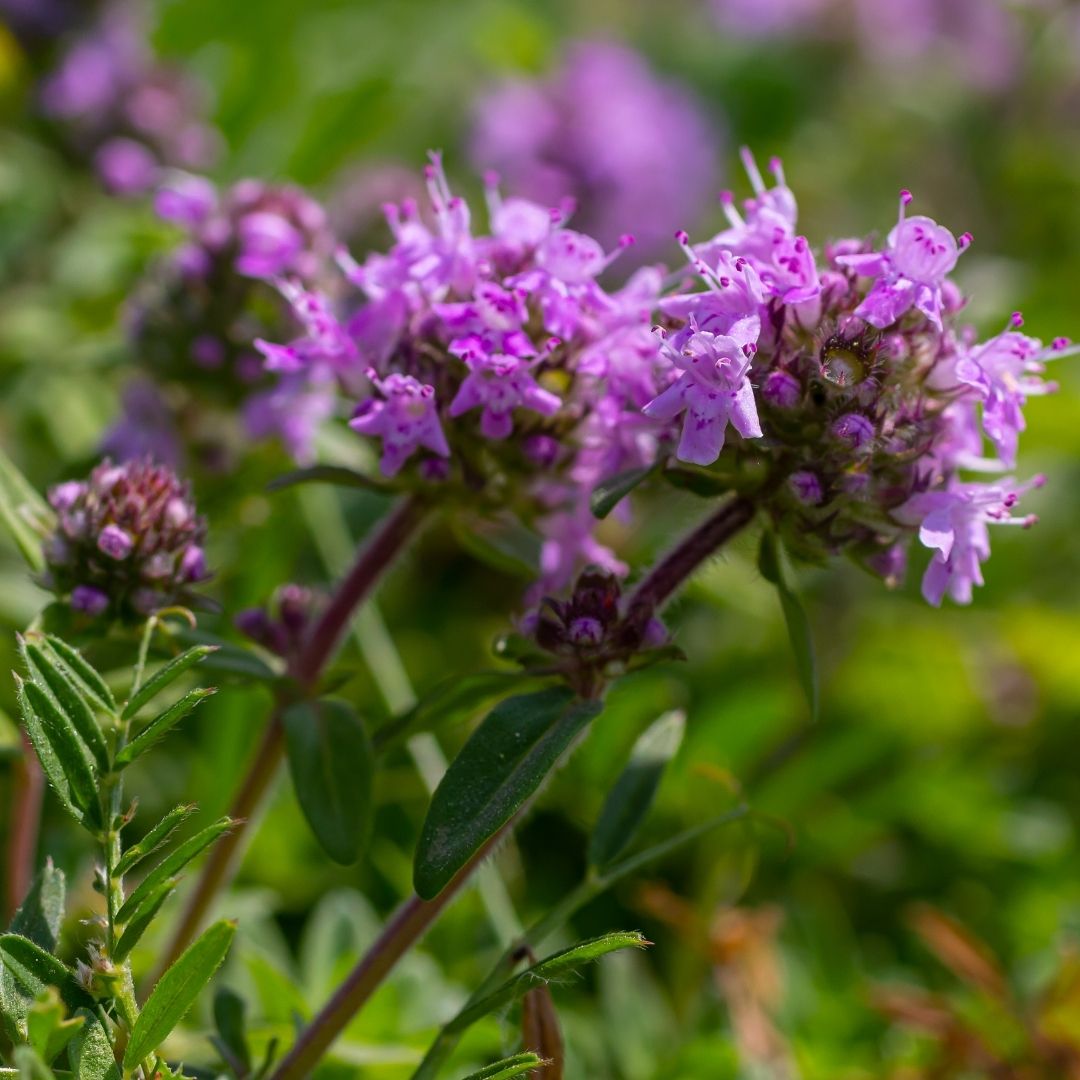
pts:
pixel 911 270
pixel 954 525
pixel 406 419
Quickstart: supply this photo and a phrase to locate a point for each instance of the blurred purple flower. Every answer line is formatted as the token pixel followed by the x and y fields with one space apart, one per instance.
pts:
pixel 637 153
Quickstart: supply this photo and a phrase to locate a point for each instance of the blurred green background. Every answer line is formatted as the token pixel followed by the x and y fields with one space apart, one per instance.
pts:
pixel 944 767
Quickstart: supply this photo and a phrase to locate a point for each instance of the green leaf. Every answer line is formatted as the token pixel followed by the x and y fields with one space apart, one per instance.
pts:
pixel 452 699
pixel 38 919
pixel 161 725
pixel 164 677
pixel 34 971
pixel 510 548
pixel 142 919
pixel 82 674
pixel 229 658
pixel 518 1065
pixel 771 565
pixel 339 475
pixel 54 680
pixel 177 990
pixel 554 967
pixel 169 867
pixel 41 914
pixel 154 839
pixel 90 1053
pixel 330 759
pixel 21 507
pixel 610 492
pixel 229 1019
pixel 707 483
pixel 48 1028
pixel 632 796
pixel 498 769
pixel 63 755
pixel 30 1066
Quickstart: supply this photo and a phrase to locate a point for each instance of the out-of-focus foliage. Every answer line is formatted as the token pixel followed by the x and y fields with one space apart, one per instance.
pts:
pixel 942 768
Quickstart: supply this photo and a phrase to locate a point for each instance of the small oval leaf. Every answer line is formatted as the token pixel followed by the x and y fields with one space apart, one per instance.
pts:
pixel 177 990
pixel 632 796
pixel 610 492
pixel 503 763
pixel 330 759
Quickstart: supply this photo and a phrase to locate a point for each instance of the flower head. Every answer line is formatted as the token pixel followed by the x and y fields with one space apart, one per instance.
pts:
pixel 858 404
pixel 127 541
pixel 490 362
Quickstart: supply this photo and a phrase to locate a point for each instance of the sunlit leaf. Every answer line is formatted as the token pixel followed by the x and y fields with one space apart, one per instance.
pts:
pixel 161 725
pixel 177 990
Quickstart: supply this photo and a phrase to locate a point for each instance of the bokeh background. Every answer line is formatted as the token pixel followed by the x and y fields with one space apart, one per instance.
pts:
pixel 943 770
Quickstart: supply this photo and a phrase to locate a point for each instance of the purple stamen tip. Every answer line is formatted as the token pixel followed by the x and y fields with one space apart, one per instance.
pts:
pixel 906 196
pixel 1017 319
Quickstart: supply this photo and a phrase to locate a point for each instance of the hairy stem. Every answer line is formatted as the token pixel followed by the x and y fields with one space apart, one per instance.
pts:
pixel 373 560
pixel 406 927
pixel 661 583
pixel 27 793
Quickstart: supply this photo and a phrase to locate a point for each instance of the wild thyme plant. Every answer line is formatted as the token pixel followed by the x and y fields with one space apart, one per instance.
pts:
pixel 834 397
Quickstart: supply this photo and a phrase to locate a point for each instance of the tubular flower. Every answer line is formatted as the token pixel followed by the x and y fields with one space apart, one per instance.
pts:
pixel 127 541
pixel 859 406
pixel 484 362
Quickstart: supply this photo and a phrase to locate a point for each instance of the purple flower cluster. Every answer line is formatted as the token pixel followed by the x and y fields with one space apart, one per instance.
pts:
pixel 594 130
pixel 192 323
pixel 493 365
pixel 127 542
pixel 125 110
pixel 980 42
pixel 860 408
